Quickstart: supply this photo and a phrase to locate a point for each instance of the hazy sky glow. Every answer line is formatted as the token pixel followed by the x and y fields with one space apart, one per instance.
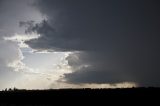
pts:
pixel 74 43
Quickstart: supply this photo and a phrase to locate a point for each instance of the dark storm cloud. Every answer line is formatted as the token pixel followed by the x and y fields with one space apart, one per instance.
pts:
pixel 119 39
pixel 96 68
pixel 104 67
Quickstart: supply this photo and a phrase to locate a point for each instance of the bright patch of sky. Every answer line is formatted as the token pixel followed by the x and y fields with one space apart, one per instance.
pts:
pixel 33 69
pixel 37 66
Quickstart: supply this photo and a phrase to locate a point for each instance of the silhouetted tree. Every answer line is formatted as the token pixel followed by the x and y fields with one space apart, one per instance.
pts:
pixel 9 89
pixel 5 89
pixel 15 89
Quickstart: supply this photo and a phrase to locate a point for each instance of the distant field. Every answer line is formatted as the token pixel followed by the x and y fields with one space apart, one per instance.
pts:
pixel 52 96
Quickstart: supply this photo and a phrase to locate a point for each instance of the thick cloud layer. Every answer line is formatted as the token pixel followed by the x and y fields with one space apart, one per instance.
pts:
pixel 118 40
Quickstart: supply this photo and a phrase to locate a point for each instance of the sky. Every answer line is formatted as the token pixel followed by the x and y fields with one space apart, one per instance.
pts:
pixel 56 44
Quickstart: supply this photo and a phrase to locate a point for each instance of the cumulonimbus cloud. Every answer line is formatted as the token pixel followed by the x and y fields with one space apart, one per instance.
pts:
pixel 118 41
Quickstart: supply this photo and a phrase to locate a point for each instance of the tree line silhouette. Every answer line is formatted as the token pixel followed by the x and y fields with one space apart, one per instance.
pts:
pixel 14 95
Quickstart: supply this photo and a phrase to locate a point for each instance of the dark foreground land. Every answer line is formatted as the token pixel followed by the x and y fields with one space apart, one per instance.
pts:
pixel 47 97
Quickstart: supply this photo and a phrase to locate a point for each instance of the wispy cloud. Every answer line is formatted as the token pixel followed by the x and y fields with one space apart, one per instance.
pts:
pixel 20 39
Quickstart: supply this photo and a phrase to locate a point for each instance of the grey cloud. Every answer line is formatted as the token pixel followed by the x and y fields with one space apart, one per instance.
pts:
pixel 93 67
pixel 11 12
pixel 8 54
pixel 96 68
pixel 118 39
